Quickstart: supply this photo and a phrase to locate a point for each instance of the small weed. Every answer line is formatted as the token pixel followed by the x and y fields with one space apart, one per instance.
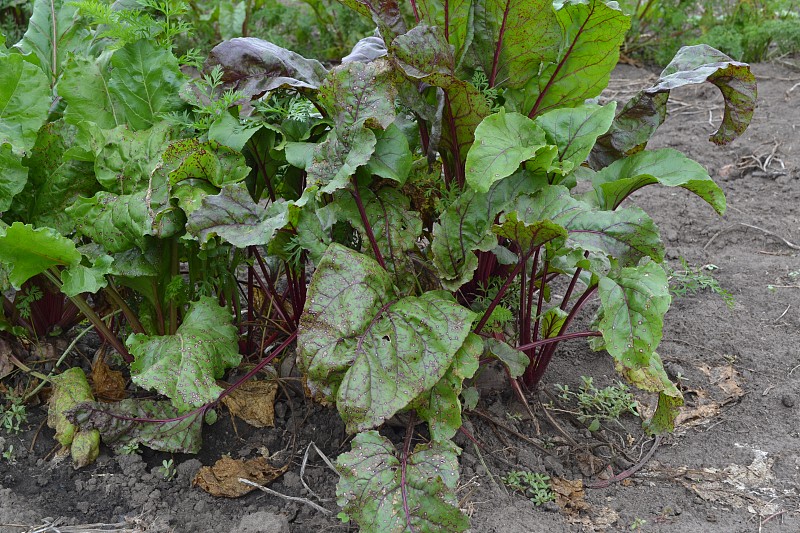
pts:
pixel 689 281
pixel 167 469
pixel 130 448
pixel 599 405
pixel 9 456
pixel 13 415
pixel 531 484
pixel 637 523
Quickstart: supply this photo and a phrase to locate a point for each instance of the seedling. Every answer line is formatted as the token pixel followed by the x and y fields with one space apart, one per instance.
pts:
pixel 600 405
pixel 167 469
pixel 9 456
pixel 533 485
pixel 690 281
pixel 13 415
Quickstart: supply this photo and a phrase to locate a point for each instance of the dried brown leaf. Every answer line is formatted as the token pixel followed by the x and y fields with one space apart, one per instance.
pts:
pixel 254 402
pixel 222 479
pixel 6 366
pixel 569 495
pixel 107 384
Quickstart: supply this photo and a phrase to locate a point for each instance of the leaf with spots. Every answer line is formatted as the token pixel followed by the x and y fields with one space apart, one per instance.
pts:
pixel 338 157
pixel 127 158
pixel 440 406
pixel 639 119
pixel 208 161
pixel 634 301
pixel 396 228
pixel 185 366
pixel 514 360
pixel 368 350
pixel 55 180
pixel 387 494
pixel 127 423
pixel 360 94
pixel 236 218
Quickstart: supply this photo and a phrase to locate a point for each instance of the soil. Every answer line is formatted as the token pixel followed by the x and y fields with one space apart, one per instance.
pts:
pixel 732 465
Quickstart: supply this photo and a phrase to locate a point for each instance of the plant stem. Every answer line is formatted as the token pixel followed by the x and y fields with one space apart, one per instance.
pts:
pixel 173 271
pixel 500 294
pixel 367 225
pixel 92 317
pixel 130 316
pixel 404 468
pixel 540 303
pixel 271 292
pixel 557 339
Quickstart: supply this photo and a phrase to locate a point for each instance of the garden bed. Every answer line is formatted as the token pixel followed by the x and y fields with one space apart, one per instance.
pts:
pixel 732 465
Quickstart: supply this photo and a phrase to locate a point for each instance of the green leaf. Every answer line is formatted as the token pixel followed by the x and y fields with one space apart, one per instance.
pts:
pixel 513 37
pixel 591 34
pixel 385 495
pixel 55 30
pixel 28 252
pixel 528 236
pixel 502 142
pixel 372 352
pixel 127 158
pixel 236 218
pixel 115 222
pixel 392 157
pixel 665 166
pixel 626 234
pixel 184 366
pixel 145 80
pixel 55 181
pixel 13 176
pixel 357 94
pixel 514 360
pixel 440 406
pixel 155 424
pixel 574 131
pixel 228 131
pixel 231 19
pixel 336 159
pixel 552 320
pixel 84 86
pixel 254 66
pixel 25 98
pixel 465 226
pixel 645 112
pixel 634 301
pixel 78 279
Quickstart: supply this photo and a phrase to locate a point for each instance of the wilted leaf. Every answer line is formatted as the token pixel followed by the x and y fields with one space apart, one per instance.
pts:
pixel 254 66
pixel 254 402
pixel 184 366
pixel 644 113
pixel 107 384
pixel 155 424
pixel 222 479
pixel 70 388
pixel 6 366
pixel 384 495
pixel 569 494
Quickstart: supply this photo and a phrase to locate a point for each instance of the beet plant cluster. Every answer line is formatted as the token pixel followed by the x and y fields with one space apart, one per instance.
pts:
pixel 452 190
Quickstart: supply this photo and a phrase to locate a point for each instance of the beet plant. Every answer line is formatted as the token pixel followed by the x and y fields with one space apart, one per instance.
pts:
pixel 453 188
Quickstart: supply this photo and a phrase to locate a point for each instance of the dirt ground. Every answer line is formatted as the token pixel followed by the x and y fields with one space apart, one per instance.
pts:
pixel 733 464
